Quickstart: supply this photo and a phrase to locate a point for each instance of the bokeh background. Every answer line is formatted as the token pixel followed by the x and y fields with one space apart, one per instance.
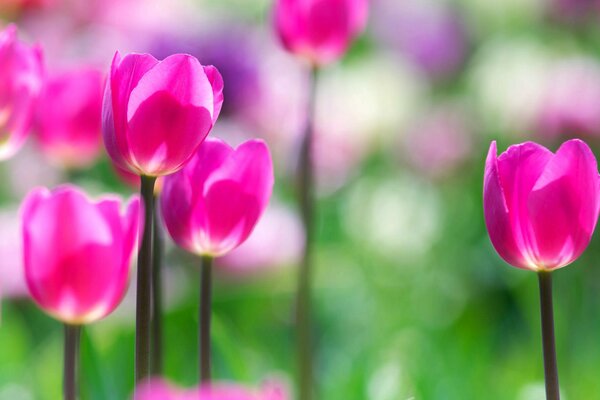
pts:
pixel 411 301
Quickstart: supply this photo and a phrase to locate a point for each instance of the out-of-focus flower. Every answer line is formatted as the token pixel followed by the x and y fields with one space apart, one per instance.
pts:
pixel 234 48
pixel 319 30
pixel 430 33
pixel 541 208
pixel 15 7
pixel 12 276
pixel 20 85
pixel 156 113
pixel 570 100
pixel 77 252
pixel 158 389
pixel 68 123
pixel 264 248
pixel 573 11
pixel 212 205
pixel 439 141
pixel 501 68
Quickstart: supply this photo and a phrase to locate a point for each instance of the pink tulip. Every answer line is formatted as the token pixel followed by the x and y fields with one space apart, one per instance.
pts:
pixel 319 30
pixel 20 84
pixel 158 389
pixel 157 113
pixel 541 208
pixel 212 205
pixel 77 252
pixel 69 117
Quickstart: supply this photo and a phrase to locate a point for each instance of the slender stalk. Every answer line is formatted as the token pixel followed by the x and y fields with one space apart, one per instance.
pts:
pixel 71 362
pixel 303 291
pixel 144 285
pixel 157 252
pixel 547 314
pixel 204 317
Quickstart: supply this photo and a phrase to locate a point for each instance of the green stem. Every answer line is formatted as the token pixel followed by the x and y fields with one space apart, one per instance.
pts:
pixel 144 285
pixel 157 322
pixel 71 362
pixel 303 291
pixel 547 314
pixel 204 317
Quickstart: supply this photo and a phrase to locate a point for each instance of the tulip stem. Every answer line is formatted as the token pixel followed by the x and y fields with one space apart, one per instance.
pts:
pixel 71 362
pixel 303 291
pixel 204 317
pixel 157 251
pixel 547 314
pixel 144 285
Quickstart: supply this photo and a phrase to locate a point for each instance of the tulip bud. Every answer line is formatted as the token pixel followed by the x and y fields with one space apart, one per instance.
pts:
pixel 319 30
pixel 77 252
pixel 156 113
pixel 541 208
pixel 69 117
pixel 20 85
pixel 212 205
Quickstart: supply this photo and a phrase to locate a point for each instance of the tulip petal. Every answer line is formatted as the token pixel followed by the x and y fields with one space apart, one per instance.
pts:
pixel 163 131
pixel 216 81
pixel 563 205
pixel 518 169
pixel 180 75
pixel 124 76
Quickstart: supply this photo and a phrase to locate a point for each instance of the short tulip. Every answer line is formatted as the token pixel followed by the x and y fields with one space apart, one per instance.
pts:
pixel 77 252
pixel 160 390
pixel 68 123
pixel 212 205
pixel 541 208
pixel 157 113
pixel 20 85
pixel 319 30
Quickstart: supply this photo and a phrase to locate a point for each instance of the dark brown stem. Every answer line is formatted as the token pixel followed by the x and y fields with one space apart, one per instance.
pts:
pixel 144 285
pixel 547 314
pixel 303 291
pixel 71 362
pixel 204 317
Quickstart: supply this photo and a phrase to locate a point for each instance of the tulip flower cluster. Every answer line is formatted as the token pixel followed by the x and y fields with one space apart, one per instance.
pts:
pixel 154 117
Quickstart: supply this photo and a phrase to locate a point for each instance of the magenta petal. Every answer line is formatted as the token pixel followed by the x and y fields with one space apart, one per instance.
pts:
pixel 563 206
pixel 76 253
pixel 496 214
pixel 163 134
pixel 216 81
pixel 179 75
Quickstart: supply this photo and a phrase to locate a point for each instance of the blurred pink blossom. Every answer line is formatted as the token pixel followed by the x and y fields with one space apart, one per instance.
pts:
pixel 12 274
pixel 68 123
pixel 265 248
pixel 570 102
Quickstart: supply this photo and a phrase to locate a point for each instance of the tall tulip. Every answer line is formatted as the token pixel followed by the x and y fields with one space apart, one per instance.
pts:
pixel 77 255
pixel 319 31
pixel 155 115
pixel 541 209
pixel 20 85
pixel 212 205
pixel 68 120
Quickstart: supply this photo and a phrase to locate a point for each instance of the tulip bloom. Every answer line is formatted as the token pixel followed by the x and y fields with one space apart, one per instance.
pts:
pixel 156 113
pixel 541 208
pixel 77 252
pixel 69 117
pixel 212 205
pixel 20 85
pixel 319 30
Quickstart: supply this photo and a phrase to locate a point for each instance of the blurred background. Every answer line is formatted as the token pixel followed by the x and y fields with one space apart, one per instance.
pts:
pixel 411 301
